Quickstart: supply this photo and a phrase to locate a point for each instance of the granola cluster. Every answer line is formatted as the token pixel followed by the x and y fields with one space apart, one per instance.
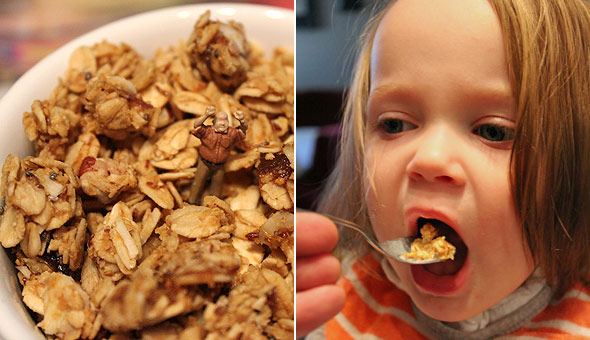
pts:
pixel 97 221
pixel 220 52
pixel 430 246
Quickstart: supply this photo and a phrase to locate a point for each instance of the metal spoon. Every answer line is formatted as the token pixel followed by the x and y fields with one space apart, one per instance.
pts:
pixel 392 248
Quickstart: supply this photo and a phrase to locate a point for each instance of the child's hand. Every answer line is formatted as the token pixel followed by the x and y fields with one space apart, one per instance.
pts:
pixel 318 298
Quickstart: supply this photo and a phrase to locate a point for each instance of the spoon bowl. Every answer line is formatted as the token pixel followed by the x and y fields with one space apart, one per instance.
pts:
pixel 394 248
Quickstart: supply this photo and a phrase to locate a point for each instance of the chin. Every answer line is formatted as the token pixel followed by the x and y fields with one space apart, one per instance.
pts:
pixel 445 308
pixel 448 306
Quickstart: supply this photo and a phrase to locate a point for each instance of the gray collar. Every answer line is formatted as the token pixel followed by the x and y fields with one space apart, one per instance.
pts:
pixel 506 316
pixel 503 325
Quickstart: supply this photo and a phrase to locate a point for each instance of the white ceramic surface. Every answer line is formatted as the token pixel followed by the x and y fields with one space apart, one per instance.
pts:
pixel 266 26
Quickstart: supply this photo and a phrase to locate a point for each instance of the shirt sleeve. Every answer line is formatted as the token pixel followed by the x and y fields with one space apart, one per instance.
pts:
pixel 238 135
pixel 200 132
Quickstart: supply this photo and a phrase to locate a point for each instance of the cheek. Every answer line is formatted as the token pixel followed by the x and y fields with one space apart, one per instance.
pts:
pixel 382 183
pixel 375 181
pixel 497 213
pixel 503 237
pixel 500 240
pixel 369 189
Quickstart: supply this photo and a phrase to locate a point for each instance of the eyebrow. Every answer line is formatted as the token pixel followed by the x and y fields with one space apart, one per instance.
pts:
pixel 498 96
pixel 403 94
pixel 393 91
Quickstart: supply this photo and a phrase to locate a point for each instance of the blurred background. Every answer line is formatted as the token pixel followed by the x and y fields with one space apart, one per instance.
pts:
pixel 327 33
pixel 31 29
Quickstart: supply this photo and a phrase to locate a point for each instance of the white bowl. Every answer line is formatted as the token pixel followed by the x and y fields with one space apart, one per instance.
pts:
pixel 266 26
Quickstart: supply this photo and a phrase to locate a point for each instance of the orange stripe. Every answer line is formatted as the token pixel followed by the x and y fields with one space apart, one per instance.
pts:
pixel 570 309
pixel 333 331
pixel 367 321
pixel 369 262
pixel 381 290
pixel 579 286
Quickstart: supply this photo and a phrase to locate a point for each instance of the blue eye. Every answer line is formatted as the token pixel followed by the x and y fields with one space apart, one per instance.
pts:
pixel 494 133
pixel 394 125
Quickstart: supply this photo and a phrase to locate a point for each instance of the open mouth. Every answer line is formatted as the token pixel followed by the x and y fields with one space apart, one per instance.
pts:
pixel 447 267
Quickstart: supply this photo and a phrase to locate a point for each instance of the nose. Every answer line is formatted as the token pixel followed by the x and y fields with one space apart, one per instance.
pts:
pixel 437 158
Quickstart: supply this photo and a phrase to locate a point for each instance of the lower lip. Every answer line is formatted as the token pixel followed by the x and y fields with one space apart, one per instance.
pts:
pixel 440 284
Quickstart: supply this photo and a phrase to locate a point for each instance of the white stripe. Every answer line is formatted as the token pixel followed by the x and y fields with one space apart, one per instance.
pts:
pixel 563 325
pixel 575 294
pixel 379 309
pixel 353 331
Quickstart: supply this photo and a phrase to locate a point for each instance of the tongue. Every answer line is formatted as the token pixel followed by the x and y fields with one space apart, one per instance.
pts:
pixel 448 267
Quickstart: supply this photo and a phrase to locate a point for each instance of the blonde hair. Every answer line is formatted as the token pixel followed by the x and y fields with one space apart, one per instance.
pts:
pixel 547 44
pixel 344 194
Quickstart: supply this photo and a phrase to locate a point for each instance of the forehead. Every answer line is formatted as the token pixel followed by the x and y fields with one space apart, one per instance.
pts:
pixel 221 115
pixel 439 38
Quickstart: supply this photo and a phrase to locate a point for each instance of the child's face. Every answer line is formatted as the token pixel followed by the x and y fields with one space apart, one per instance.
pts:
pixel 440 124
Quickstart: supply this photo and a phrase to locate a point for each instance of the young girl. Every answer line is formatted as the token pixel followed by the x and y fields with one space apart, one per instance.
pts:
pixel 473 115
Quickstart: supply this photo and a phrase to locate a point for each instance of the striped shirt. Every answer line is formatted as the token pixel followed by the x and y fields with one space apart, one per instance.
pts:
pixel 376 309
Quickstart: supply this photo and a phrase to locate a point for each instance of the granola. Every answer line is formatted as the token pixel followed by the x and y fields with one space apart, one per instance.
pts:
pixel 429 246
pixel 97 220
pixel 220 52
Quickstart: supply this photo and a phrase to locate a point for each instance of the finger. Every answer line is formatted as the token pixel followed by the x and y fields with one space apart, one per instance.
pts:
pixel 315 234
pixel 316 306
pixel 316 271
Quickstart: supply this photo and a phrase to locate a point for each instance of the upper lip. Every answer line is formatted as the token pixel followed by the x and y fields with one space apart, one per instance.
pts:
pixel 413 213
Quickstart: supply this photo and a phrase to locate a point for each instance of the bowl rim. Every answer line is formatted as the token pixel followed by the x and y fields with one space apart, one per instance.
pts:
pixel 75 42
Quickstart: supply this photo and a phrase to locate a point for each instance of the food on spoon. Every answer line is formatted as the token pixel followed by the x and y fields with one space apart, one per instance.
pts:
pixel 430 247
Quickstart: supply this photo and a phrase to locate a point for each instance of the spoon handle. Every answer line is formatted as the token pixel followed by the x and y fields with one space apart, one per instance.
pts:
pixel 394 248
pixel 350 225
